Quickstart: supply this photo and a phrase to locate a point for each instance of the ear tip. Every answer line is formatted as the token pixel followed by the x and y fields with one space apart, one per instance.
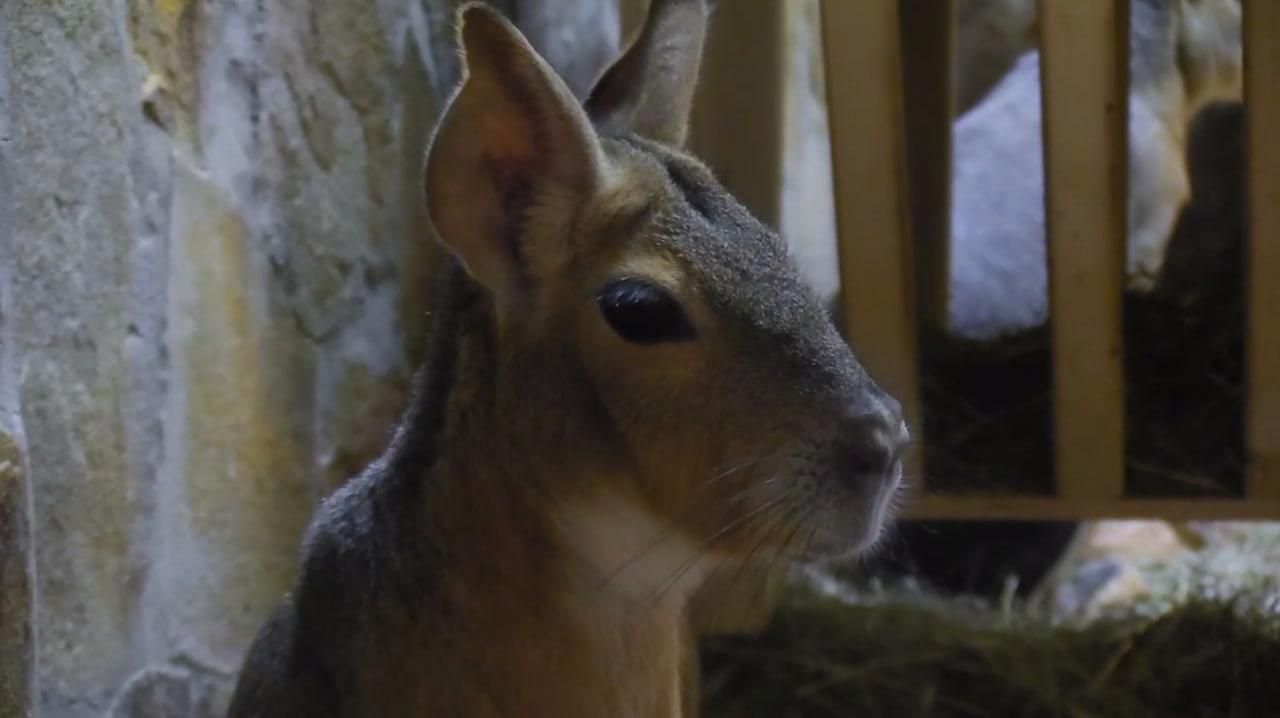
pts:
pixel 475 10
pixel 479 22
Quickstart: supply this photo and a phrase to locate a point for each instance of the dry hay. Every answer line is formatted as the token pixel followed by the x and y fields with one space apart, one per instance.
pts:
pixel 916 656
pixel 1189 631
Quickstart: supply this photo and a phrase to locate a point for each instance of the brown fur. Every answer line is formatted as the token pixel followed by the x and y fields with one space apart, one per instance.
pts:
pixel 528 544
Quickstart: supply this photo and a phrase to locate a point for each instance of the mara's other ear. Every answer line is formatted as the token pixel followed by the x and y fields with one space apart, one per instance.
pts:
pixel 649 90
pixel 512 140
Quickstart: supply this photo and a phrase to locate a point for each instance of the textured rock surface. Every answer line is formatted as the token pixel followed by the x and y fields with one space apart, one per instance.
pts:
pixel 1144 568
pixel 213 271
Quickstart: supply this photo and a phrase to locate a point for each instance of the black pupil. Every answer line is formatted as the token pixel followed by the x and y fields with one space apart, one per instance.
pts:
pixel 643 313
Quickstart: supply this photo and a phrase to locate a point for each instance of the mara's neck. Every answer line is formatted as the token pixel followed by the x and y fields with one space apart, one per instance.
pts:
pixel 573 606
pixel 563 590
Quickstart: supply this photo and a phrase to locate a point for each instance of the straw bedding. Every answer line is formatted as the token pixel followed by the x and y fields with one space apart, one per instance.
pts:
pixel 1196 633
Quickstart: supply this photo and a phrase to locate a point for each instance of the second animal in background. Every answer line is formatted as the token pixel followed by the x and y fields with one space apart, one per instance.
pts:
pixel 1184 56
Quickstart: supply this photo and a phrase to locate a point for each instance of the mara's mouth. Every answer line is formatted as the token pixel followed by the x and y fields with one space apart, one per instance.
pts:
pixel 817 513
pixel 853 520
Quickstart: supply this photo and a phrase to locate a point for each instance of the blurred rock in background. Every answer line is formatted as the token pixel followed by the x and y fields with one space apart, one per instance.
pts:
pixel 214 274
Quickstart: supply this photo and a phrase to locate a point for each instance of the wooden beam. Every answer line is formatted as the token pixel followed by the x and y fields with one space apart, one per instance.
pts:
pixel 865 105
pixel 964 508
pixel 1262 106
pixel 928 29
pixel 631 14
pixel 738 109
pixel 1085 95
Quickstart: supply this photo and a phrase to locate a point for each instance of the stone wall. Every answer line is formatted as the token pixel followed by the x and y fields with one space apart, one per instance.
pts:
pixel 213 280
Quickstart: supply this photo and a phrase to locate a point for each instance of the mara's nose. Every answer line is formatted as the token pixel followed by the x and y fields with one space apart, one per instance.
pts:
pixel 871 439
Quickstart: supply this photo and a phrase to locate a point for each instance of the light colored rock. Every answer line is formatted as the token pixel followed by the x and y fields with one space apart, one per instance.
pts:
pixel 1111 564
pixel 1145 567
pixel 1154 540
pixel 214 278
pixel 170 691
pixel 16 640
pixel 215 271
pixel 1098 587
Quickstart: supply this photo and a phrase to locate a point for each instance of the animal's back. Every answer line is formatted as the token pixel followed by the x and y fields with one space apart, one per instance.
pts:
pixel 281 677
pixel 285 672
pixel 349 590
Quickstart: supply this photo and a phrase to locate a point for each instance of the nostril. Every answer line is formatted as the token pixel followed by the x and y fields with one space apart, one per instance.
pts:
pixel 865 454
pixel 871 441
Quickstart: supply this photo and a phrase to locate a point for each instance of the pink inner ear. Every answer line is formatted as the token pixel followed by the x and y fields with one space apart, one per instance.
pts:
pixel 512 160
pixel 510 152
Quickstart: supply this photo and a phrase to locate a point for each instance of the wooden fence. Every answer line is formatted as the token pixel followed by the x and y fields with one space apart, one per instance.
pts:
pixel 892 59
pixel 891 271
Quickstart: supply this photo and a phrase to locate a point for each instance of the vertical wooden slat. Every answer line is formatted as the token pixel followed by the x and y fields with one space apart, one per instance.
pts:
pixel 1262 105
pixel 737 113
pixel 1084 85
pixel 865 106
pixel 927 41
pixel 630 19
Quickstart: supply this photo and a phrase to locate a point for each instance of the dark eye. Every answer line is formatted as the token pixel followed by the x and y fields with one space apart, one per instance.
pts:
pixel 643 313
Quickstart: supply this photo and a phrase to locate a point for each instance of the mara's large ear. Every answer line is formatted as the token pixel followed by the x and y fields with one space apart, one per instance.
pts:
pixel 512 140
pixel 649 90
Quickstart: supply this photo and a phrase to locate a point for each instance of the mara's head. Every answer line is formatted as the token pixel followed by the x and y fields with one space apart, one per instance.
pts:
pixel 650 333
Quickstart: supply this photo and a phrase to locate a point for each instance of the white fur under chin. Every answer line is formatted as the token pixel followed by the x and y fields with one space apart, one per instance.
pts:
pixel 631 554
